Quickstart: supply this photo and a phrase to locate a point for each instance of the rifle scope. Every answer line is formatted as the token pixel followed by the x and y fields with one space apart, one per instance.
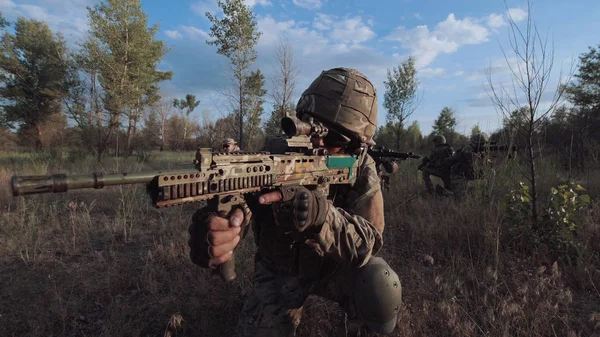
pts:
pixel 292 126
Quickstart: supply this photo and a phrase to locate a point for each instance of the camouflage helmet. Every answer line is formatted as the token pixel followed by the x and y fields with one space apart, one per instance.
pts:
pixel 344 100
pixel 229 141
pixel 376 294
pixel 439 139
pixel 478 139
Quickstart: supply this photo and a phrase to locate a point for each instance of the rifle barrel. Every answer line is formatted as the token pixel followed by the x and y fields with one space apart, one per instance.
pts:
pixel 58 183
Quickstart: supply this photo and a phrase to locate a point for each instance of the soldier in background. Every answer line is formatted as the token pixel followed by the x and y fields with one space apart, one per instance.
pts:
pixel 434 164
pixel 230 145
pixel 385 169
pixel 309 243
pixel 462 166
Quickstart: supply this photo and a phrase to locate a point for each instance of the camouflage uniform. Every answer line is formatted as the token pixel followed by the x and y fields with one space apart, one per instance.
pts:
pixel 334 259
pixel 287 272
pixel 384 171
pixel 462 166
pixel 435 165
pixel 229 145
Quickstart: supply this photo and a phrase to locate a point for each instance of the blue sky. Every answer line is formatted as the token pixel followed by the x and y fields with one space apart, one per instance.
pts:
pixel 453 42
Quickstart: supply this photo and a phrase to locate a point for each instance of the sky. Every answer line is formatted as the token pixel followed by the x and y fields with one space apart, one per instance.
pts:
pixel 453 43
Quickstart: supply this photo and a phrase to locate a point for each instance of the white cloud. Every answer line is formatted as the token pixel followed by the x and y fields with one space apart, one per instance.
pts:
pixel 309 4
pixel 517 14
pixel 349 30
pixel 496 20
pixel 432 72
pixel 195 33
pixel 6 5
pixel 68 17
pixel 173 34
pixel 252 3
pixel 447 37
pixel 418 16
pixel 499 67
pixel 201 7
pixel 459 73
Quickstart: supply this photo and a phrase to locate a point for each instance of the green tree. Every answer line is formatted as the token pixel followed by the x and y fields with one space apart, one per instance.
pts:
pixel 272 126
pixel 584 94
pixel 34 69
pixel 414 137
pixel 585 91
pixel 254 93
pixel 186 105
pixel 400 98
pixel 445 124
pixel 235 35
pixel 476 130
pixel 123 52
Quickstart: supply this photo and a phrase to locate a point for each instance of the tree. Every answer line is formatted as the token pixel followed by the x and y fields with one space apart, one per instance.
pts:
pixel 4 123
pixel 189 104
pixel 584 94
pixel 163 108
pixel 445 123
pixel 254 98
pixel 34 67
pixel 122 54
pixel 521 104
pixel 235 35
pixel 284 83
pixel 414 137
pixel 400 98
pixel 475 129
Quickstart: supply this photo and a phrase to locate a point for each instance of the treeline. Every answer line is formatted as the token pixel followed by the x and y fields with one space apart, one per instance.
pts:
pixel 570 128
pixel 103 95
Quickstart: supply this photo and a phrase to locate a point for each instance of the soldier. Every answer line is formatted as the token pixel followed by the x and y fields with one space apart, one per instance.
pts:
pixel 390 166
pixel 333 254
pixel 230 145
pixel 462 165
pixel 433 165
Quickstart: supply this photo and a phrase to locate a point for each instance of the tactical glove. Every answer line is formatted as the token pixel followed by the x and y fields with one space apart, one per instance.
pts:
pixel 300 209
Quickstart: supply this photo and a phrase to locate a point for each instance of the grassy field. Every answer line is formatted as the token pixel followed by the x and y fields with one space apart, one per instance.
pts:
pixel 105 263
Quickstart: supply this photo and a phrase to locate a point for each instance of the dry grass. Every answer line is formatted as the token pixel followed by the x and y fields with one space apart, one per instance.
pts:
pixel 104 263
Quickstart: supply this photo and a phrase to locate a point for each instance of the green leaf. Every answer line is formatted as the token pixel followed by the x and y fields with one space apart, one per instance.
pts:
pixel 584 199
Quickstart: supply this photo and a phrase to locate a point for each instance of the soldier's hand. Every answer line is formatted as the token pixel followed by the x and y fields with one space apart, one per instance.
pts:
pixel 296 206
pixel 213 238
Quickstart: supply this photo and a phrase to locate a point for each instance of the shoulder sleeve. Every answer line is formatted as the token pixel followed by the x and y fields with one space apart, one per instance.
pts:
pixel 352 234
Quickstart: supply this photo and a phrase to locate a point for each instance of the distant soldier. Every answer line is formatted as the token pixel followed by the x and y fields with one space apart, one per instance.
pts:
pixel 462 165
pixel 434 164
pixel 390 166
pixel 230 145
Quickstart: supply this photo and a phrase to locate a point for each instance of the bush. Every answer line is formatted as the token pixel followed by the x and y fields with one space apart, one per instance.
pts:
pixel 556 224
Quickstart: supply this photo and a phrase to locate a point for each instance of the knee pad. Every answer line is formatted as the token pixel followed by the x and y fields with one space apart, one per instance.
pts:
pixel 376 295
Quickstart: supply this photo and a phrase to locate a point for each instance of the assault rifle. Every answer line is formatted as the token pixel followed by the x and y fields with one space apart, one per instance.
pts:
pixel 221 179
pixel 380 152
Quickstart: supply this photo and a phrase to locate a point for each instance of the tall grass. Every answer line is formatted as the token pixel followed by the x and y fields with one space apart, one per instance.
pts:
pixel 105 263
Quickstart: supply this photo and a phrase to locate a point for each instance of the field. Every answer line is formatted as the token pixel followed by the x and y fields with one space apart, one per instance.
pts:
pixel 105 263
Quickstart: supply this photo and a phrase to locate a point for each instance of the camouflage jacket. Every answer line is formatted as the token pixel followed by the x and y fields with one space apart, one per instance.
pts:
pixel 439 154
pixel 462 162
pixel 351 234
